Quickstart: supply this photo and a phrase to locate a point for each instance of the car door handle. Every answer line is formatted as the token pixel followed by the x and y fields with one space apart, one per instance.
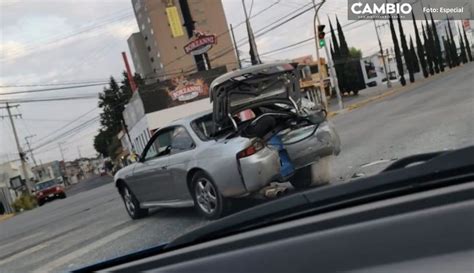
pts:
pixel 164 168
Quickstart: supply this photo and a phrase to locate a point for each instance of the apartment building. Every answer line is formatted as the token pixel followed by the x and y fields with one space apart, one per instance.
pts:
pixel 182 36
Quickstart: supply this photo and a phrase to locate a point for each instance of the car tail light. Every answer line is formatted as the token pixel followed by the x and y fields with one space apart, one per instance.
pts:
pixel 58 188
pixel 252 149
pixel 40 193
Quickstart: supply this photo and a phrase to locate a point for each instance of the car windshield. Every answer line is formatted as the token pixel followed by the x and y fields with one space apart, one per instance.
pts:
pixel 156 118
pixel 45 185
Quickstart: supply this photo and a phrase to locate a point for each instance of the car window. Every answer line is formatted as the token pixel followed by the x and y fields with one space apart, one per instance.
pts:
pixel 45 185
pixel 181 140
pixel 161 145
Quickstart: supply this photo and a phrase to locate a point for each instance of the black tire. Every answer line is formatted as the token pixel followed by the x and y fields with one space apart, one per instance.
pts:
pixel 132 206
pixel 302 178
pixel 356 93
pixel 208 201
pixel 63 195
pixel 40 203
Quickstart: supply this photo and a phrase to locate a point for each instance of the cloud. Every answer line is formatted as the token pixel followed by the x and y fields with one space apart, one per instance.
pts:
pixel 9 48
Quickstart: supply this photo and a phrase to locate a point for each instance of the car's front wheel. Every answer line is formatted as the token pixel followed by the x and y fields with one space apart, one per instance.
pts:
pixel 131 204
pixel 208 200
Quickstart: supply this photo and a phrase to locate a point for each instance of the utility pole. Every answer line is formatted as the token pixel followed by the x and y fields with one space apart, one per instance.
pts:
pixel 253 52
pixel 389 84
pixel 61 150
pixel 79 151
pixel 30 150
pixel 333 75
pixel 316 40
pixel 389 67
pixel 20 151
pixel 235 46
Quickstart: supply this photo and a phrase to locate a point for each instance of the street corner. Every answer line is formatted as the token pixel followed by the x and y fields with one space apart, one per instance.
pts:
pixel 5 217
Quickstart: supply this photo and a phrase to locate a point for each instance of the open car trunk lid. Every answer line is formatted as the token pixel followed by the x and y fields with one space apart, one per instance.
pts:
pixel 252 87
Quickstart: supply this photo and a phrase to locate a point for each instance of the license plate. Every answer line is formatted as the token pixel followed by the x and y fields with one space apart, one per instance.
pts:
pixel 51 195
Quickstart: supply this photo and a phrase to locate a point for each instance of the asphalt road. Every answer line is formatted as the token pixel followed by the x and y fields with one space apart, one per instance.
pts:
pixel 91 224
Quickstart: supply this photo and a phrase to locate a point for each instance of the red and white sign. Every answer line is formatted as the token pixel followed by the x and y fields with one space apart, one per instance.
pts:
pixel 200 44
pixel 188 92
pixel 466 24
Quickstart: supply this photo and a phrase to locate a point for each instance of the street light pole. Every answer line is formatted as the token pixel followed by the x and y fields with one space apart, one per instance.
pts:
pixel 316 40
pixel 389 84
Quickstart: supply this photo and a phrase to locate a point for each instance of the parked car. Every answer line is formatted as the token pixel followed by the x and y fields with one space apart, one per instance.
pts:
pixel 260 131
pixel 49 190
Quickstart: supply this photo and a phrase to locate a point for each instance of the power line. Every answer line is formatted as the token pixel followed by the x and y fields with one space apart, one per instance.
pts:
pixel 67 125
pixel 53 89
pixel 78 128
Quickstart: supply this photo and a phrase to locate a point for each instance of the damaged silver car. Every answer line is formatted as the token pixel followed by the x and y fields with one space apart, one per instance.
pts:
pixel 260 131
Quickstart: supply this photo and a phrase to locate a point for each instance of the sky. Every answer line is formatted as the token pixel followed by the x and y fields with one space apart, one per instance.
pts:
pixel 57 41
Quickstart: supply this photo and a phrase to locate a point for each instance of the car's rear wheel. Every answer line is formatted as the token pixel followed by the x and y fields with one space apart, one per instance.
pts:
pixel 208 200
pixel 131 204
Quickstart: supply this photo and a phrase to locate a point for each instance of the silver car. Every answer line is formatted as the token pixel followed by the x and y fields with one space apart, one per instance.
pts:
pixel 260 131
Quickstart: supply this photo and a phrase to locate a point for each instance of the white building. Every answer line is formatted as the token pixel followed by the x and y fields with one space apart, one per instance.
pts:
pixel 153 106
pixel 373 68
pixel 9 173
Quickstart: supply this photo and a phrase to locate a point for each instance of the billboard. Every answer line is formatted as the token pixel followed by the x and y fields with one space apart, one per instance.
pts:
pixel 183 89
pixel 178 90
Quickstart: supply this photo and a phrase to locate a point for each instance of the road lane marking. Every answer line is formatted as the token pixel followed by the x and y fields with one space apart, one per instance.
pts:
pixel 86 249
pixel 24 253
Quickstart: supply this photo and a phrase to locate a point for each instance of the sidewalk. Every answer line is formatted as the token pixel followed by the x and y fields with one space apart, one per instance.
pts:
pixel 4 217
pixel 371 94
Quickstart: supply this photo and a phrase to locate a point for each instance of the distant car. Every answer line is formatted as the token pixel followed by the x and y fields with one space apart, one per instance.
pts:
pixel 48 190
pixel 260 131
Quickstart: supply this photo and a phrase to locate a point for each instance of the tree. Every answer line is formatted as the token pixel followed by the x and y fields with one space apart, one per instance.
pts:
pixel 454 51
pixel 414 59
pixel 437 46
pixel 463 54
pixel 468 45
pixel 432 45
pixel 342 40
pixel 112 100
pixel 101 142
pixel 419 48
pixel 355 53
pixel 429 58
pixel 398 56
pixel 406 51
pixel 447 53
pixel 447 49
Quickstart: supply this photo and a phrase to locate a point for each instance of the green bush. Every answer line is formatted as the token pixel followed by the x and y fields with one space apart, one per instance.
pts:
pixel 24 202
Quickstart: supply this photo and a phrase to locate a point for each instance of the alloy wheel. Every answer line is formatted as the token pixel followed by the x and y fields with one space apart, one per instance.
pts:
pixel 206 196
pixel 127 198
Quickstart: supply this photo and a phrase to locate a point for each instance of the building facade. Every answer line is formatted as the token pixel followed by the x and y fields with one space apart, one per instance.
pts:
pixel 168 26
pixel 140 56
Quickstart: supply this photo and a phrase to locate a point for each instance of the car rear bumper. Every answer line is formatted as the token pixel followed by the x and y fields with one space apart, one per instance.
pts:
pixel 323 143
pixel 260 169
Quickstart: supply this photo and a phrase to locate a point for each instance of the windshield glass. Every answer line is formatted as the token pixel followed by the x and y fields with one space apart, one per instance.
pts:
pixel 45 185
pixel 155 118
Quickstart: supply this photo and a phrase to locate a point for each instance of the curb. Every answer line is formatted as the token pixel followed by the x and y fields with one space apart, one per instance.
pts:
pixel 6 216
pixel 388 93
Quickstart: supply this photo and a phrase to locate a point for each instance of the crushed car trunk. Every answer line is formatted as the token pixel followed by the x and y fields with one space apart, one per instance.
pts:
pixel 265 102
